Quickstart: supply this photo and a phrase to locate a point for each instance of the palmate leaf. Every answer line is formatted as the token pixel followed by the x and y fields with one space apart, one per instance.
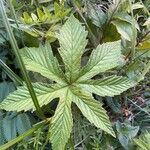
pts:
pixel 109 86
pixel 143 142
pixel 62 123
pixel 104 57
pixel 21 99
pixel 41 60
pixel 93 111
pixel 72 39
pixel 74 84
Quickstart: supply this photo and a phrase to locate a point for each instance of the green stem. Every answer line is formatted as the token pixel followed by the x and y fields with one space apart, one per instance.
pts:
pixel 11 74
pixel 20 61
pixel 133 44
pixel 15 18
pixel 23 136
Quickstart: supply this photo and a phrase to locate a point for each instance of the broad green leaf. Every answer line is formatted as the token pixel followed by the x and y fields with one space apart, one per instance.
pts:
pixel 103 58
pixel 124 28
pixel 109 86
pixel 127 18
pixel 93 111
pixel 41 60
pixel 21 99
pixel 143 141
pixel 62 122
pixel 72 39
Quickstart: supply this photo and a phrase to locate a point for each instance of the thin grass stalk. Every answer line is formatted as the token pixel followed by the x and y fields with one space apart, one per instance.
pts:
pixel 23 136
pixel 20 61
pixel 11 74
pixel 15 18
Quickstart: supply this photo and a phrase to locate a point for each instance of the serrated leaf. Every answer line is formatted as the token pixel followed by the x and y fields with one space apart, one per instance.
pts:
pixel 109 86
pixel 21 99
pixel 93 111
pixel 72 39
pixel 41 60
pixel 26 18
pixel 143 141
pixel 56 8
pixel 47 13
pixel 41 15
pixel 104 57
pixel 62 123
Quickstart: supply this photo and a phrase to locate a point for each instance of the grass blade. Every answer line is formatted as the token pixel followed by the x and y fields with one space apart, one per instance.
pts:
pixel 11 74
pixel 20 61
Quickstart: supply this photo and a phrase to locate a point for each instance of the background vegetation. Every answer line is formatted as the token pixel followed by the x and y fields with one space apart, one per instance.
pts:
pixel 38 22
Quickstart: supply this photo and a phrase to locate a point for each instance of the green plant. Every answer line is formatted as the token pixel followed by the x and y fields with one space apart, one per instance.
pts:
pixel 75 84
pixel 44 22
pixel 143 141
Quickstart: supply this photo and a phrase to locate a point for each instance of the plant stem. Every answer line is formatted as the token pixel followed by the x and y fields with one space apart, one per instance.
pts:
pixel 23 136
pixel 20 61
pixel 11 74
pixel 133 41
pixel 15 18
